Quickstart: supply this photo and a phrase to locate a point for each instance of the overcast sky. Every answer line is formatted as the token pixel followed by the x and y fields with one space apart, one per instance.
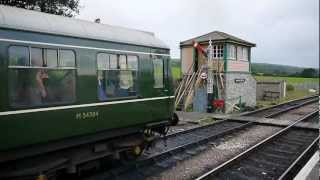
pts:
pixel 285 31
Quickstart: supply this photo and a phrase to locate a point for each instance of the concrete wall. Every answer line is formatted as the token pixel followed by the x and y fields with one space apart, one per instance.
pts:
pixel 239 84
pixel 306 85
pixel 270 86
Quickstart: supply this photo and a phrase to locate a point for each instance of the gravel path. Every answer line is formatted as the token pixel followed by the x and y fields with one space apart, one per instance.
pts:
pixel 219 151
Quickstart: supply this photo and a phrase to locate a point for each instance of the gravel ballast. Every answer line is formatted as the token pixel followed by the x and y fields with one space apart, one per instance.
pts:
pixel 217 152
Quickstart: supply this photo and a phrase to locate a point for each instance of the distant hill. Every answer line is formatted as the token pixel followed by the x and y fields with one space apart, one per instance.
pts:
pixel 265 68
pixel 276 69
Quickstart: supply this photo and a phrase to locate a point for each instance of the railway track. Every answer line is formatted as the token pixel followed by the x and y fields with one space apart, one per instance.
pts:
pixel 185 144
pixel 279 156
pixel 196 134
pixel 184 138
pixel 182 145
pixel 283 107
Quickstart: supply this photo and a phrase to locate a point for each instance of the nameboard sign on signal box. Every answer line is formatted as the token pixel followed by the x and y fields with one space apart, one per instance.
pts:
pixel 239 80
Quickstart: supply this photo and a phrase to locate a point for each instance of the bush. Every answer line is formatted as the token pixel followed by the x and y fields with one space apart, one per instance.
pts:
pixel 290 87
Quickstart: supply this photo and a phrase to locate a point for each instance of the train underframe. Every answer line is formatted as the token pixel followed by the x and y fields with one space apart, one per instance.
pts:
pixel 79 159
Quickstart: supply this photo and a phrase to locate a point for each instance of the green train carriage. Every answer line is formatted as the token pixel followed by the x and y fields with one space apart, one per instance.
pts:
pixel 71 85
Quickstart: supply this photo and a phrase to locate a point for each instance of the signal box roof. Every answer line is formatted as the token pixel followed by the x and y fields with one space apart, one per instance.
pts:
pixel 28 20
pixel 216 36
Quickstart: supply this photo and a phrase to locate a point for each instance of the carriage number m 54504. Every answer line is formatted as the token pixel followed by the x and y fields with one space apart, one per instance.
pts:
pixel 87 115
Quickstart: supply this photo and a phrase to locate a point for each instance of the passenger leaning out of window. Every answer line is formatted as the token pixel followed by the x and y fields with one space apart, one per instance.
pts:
pixel 41 77
pixel 126 80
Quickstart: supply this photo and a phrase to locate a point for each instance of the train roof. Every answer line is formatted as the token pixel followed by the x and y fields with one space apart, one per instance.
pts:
pixel 28 20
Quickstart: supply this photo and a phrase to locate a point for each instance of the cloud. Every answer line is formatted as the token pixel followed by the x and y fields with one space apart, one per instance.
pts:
pixel 286 31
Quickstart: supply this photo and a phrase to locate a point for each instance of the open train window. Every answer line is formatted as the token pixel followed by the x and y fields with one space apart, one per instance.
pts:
pixel 158 73
pixel 117 76
pixel 43 79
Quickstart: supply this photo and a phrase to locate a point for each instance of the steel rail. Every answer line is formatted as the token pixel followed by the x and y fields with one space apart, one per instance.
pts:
pixel 246 153
pixel 293 168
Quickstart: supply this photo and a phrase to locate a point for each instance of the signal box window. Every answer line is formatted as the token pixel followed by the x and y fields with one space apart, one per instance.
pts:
pixel 232 52
pixel 218 51
pixel 42 81
pixel 158 73
pixel 117 76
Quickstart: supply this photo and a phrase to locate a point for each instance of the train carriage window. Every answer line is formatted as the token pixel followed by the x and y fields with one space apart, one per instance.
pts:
pixel 117 80
pixel 113 61
pixel 18 56
pixel 158 73
pixel 103 61
pixel 122 62
pixel 51 58
pixel 43 84
pixel 67 58
pixel 37 57
pixel 133 62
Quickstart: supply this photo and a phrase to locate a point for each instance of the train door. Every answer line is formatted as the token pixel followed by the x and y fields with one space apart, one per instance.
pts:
pixel 160 87
pixel 169 92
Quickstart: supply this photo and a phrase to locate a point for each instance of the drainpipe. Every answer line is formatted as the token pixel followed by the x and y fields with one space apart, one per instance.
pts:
pixel 225 74
pixel 249 59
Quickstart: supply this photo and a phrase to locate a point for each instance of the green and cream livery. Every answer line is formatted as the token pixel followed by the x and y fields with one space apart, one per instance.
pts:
pixel 70 82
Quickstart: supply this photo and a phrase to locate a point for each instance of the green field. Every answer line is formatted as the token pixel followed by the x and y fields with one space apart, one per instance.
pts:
pixel 289 80
pixel 176 72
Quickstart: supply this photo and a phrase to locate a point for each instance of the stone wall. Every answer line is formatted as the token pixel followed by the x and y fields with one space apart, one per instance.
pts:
pixel 239 85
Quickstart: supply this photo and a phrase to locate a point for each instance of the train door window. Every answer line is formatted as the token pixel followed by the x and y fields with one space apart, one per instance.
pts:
pixel 51 59
pixel 118 79
pixel 45 83
pixel 158 73
pixel 18 56
pixel 67 58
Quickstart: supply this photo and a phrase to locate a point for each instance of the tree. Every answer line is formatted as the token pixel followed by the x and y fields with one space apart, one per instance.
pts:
pixel 59 7
pixel 309 72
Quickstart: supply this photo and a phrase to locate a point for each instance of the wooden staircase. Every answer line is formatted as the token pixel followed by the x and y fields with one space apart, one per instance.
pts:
pixel 185 91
